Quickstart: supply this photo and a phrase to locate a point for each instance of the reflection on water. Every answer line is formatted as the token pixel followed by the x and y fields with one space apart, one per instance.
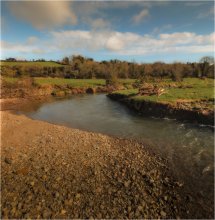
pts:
pixel 189 148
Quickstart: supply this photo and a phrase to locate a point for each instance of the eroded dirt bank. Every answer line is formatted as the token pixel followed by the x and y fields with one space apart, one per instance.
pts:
pixel 162 110
pixel 51 171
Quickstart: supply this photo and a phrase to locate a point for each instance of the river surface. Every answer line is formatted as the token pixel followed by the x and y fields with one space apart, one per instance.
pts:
pixel 189 148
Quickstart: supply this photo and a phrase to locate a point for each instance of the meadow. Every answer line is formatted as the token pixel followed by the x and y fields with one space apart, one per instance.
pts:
pixel 76 83
pixel 190 89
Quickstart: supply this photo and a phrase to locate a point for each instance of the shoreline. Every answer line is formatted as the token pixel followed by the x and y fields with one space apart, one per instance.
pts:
pixel 69 173
pixel 162 110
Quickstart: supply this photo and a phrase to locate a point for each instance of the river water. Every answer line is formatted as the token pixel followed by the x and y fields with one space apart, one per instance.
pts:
pixel 189 148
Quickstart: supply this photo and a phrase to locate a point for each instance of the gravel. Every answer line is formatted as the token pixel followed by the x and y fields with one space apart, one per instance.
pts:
pixel 58 172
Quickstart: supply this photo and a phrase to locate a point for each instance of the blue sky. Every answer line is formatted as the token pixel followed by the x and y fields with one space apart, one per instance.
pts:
pixel 144 31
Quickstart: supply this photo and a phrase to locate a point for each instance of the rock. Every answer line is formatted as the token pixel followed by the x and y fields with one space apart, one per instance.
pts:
pixel 179 184
pixel 23 171
pixel 140 208
pixel 129 208
pixel 78 196
pixel 68 202
pixel 46 214
pixel 32 183
pixel 127 183
pixel 189 198
pixel 8 160
pixel 99 190
pixel 63 211
pixel 58 179
pixel 56 194
pixel 163 214
pixel 44 177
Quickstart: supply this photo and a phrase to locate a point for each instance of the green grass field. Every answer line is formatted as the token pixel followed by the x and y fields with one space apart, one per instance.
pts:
pixel 201 90
pixel 31 63
pixel 76 83
pixel 71 82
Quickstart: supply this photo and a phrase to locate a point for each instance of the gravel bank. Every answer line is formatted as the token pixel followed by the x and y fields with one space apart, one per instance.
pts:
pixel 51 171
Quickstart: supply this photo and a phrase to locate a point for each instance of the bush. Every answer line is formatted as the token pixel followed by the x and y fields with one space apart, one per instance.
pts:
pixel 112 81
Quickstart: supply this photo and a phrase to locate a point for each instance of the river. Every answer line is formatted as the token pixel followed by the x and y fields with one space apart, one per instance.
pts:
pixel 189 148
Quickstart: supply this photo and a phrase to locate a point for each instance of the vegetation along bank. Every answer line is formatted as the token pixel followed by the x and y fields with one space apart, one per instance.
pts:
pixel 190 100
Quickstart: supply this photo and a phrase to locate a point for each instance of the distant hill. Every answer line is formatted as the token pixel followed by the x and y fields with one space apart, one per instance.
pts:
pixel 31 63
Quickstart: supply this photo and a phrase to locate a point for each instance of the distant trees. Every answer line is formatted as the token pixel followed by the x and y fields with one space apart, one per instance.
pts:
pixel 10 59
pixel 177 72
pixel 65 60
pixel 112 69
pixel 82 67
pixel 206 65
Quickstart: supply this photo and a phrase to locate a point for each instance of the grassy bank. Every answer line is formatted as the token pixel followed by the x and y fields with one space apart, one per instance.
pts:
pixel 76 83
pixel 191 100
pixel 26 87
pixel 190 90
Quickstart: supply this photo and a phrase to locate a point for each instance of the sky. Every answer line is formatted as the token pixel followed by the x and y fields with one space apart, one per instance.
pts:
pixel 140 31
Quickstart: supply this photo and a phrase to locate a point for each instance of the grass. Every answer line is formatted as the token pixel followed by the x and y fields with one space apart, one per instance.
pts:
pixel 76 83
pixel 72 82
pixel 201 90
pixel 31 63
pixel 11 79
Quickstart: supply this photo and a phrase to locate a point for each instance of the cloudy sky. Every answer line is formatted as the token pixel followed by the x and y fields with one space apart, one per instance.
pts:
pixel 127 30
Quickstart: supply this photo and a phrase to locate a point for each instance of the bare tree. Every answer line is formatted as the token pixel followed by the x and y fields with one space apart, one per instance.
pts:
pixel 205 63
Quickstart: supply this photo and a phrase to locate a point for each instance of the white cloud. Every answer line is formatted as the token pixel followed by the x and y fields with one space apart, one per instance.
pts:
pixel 114 43
pixel 117 43
pixel 99 23
pixel 49 14
pixel 32 40
pixel 43 14
pixel 141 16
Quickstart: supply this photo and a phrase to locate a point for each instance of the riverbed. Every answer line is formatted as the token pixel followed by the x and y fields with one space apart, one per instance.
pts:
pixel 189 148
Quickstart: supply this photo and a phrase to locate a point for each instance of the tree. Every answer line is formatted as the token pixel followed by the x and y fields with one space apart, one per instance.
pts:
pixel 65 60
pixel 205 63
pixel 112 74
pixel 10 59
pixel 177 72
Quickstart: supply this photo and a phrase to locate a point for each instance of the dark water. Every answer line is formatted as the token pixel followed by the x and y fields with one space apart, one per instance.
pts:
pixel 189 148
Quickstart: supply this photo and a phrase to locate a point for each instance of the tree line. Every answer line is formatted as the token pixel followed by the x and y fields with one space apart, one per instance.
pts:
pixel 81 67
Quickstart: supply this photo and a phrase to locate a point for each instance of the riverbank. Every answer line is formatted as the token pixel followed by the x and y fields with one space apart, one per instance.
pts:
pixel 164 110
pixel 191 100
pixel 51 171
pixel 39 87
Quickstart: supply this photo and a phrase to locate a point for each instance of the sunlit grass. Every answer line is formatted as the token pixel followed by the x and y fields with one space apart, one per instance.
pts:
pixel 31 63
pixel 200 90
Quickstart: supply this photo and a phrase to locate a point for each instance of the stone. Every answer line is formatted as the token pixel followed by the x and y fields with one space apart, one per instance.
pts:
pixel 129 208
pixel 140 208
pixel 46 214
pixel 8 160
pixel 78 196
pixel 56 194
pixel 127 183
pixel 179 184
pixel 163 214
pixel 63 211
pixel 32 183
